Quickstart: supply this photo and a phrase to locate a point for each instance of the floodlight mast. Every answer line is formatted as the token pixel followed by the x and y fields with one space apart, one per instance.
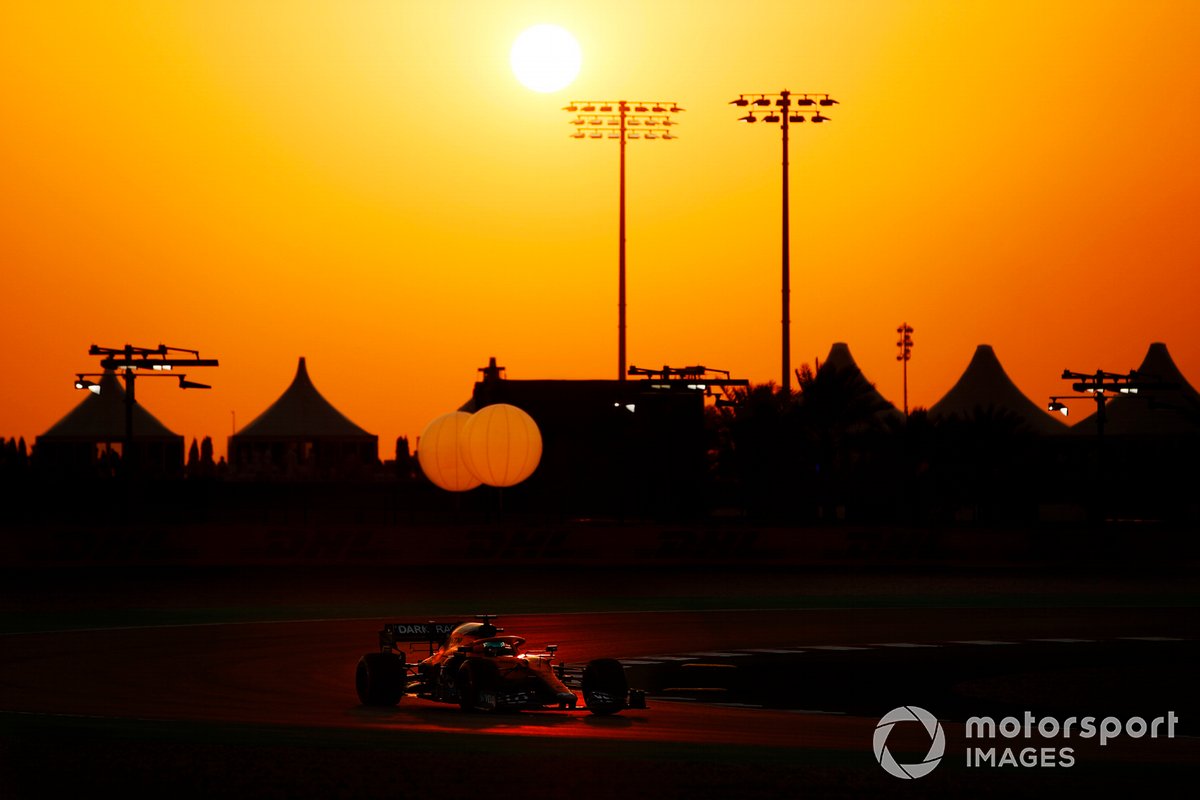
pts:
pixel 611 119
pixel 784 114
pixel 692 378
pixel 905 344
pixel 128 360
pixel 1100 386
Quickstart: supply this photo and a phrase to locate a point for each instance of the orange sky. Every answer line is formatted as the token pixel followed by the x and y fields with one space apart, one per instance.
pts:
pixel 366 184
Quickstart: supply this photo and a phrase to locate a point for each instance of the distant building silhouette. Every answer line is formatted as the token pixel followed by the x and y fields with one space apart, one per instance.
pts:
pixel 302 435
pixel 608 447
pixel 90 438
pixel 985 389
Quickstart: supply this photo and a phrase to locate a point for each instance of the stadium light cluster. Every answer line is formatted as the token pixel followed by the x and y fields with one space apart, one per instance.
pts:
pixel 1100 387
pixel 781 107
pixel 129 360
pixel 785 108
pixel 622 120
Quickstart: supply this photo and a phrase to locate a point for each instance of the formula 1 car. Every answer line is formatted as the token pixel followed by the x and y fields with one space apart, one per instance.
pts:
pixel 473 665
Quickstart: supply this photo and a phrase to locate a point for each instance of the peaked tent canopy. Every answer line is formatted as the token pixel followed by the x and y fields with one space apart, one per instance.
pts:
pixel 90 438
pixel 984 386
pixel 302 411
pixel 865 394
pixel 1151 412
pixel 302 433
pixel 101 418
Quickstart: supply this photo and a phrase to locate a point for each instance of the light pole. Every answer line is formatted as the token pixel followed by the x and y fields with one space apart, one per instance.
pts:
pixel 1102 386
pixel 905 344
pixel 779 108
pixel 599 119
pixel 154 361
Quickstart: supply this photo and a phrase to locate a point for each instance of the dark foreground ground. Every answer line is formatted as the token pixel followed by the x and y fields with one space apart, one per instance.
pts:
pixel 223 682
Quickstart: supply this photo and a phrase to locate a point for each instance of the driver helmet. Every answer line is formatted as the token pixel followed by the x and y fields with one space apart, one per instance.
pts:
pixel 496 648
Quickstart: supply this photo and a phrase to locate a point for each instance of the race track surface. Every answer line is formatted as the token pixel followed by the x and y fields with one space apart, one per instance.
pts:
pixel 226 683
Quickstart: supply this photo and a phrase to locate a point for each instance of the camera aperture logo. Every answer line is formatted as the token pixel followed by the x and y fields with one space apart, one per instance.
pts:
pixel 937 742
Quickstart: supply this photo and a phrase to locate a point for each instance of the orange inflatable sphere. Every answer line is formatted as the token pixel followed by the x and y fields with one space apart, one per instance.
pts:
pixel 439 453
pixel 501 445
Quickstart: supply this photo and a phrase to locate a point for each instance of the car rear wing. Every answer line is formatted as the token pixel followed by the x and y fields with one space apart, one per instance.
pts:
pixel 431 633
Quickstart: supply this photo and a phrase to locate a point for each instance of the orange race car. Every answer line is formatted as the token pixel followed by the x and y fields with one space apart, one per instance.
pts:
pixel 474 665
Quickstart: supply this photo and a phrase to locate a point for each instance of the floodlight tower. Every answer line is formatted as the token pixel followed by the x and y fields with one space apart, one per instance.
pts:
pixel 785 108
pixel 1101 387
pixel 153 362
pixel 905 344
pixel 612 119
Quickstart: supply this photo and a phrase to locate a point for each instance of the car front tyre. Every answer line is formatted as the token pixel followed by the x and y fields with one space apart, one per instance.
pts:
pixel 605 687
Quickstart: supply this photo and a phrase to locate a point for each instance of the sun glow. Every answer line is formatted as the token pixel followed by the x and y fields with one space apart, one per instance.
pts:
pixel 546 58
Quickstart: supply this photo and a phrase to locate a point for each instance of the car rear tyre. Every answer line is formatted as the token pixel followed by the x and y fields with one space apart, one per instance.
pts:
pixel 380 679
pixel 605 686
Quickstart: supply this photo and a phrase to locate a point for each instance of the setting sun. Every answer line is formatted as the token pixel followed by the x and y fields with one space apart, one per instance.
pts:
pixel 546 58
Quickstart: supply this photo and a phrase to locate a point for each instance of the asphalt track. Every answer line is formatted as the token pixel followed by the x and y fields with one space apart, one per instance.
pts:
pixel 227 684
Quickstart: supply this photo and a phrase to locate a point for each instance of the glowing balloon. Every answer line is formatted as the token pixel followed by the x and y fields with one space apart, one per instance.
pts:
pixel 439 453
pixel 501 445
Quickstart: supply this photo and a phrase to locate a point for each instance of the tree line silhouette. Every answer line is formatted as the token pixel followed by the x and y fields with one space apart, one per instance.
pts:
pixel 834 451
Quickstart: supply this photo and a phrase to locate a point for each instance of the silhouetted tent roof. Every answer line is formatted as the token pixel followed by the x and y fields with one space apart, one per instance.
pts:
pixel 840 360
pixel 1151 412
pixel 301 412
pixel 101 418
pixel 984 386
